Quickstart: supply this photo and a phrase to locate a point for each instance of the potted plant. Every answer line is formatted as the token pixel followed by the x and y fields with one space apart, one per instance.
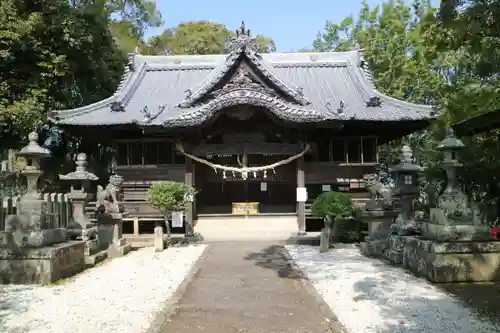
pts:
pixel 332 207
pixel 168 197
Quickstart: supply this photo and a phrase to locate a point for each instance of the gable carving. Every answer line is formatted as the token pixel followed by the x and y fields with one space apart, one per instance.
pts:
pixel 243 79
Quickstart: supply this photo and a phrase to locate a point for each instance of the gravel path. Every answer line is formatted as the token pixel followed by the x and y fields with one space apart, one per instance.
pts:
pixel 370 296
pixel 122 295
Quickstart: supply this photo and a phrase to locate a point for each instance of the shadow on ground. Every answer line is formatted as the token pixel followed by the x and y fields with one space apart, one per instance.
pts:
pixel 483 298
pixel 436 306
pixel 276 257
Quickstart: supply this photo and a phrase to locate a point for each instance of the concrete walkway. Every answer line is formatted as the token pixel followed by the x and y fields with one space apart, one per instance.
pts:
pixel 249 287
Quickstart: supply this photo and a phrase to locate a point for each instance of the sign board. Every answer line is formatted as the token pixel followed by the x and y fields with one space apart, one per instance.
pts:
pixel 245 208
pixel 263 187
pixel 326 188
pixel 301 194
pixel 177 219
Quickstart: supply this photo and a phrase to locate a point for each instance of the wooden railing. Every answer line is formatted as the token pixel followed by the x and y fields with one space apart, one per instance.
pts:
pixel 58 209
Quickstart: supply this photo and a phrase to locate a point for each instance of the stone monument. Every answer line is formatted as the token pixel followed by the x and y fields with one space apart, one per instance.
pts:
pixel 32 250
pixel 80 227
pixel 407 190
pixel 109 214
pixel 455 245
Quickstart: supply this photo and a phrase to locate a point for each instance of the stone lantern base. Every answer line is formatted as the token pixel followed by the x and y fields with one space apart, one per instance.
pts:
pixel 43 265
pixel 444 262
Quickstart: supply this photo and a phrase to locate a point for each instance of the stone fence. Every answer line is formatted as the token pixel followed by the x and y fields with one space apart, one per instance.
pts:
pixel 58 210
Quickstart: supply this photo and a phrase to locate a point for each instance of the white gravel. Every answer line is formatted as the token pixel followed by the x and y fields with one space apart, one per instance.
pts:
pixel 369 296
pixel 122 295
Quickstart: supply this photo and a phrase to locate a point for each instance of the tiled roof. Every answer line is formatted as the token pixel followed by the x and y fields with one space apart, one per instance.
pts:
pixel 478 124
pixel 318 87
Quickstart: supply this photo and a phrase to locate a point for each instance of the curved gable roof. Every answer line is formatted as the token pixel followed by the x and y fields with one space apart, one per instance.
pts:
pixel 335 86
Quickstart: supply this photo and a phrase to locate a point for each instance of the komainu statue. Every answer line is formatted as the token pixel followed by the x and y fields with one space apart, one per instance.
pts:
pixel 379 192
pixel 109 198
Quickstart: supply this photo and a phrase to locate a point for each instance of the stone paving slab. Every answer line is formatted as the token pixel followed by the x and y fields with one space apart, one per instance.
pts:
pixel 249 287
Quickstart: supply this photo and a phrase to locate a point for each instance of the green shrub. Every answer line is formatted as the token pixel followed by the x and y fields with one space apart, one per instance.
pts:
pixel 340 215
pixel 333 205
pixel 170 196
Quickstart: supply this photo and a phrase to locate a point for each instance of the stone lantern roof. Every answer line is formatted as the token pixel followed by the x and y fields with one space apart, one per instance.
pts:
pixel 450 142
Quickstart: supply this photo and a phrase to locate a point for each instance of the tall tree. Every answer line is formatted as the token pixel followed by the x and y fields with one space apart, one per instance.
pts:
pixel 140 14
pixel 200 37
pixel 444 58
pixel 53 56
pixel 389 35
pixel 472 30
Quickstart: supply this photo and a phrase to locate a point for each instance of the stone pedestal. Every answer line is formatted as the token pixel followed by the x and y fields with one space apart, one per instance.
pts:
pixel 442 229
pixel 81 229
pixel 110 235
pixel 444 262
pixel 41 265
pixel 379 227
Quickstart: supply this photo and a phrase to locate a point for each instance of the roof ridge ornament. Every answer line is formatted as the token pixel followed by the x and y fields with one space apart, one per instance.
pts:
pixel 241 40
pixel 241 31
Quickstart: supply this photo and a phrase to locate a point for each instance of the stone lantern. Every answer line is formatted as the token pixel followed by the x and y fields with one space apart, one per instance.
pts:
pixel 450 147
pixel 33 154
pixel 31 250
pixel 454 245
pixel 454 218
pixel 407 187
pixel 31 210
pixel 80 193
pixel 407 190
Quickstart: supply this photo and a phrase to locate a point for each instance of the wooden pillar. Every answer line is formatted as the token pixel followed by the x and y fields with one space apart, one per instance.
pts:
pixel 189 180
pixel 301 206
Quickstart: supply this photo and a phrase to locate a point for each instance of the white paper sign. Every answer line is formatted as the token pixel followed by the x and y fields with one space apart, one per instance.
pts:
pixel 326 188
pixel 177 219
pixel 263 187
pixel 301 194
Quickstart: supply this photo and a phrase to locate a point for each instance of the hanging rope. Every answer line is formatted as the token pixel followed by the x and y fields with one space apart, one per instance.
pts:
pixel 241 170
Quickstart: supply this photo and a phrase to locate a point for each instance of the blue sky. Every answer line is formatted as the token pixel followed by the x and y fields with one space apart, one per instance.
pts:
pixel 292 24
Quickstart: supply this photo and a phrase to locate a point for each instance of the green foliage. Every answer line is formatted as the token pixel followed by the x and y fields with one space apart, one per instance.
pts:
pixel 333 205
pixel 199 37
pixel 449 58
pixel 53 56
pixel 169 196
pixel 390 36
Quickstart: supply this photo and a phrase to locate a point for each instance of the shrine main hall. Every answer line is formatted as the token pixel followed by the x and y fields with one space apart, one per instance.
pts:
pixel 255 134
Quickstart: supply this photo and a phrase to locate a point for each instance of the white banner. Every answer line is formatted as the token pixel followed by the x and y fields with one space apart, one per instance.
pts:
pixel 177 219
